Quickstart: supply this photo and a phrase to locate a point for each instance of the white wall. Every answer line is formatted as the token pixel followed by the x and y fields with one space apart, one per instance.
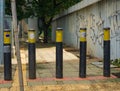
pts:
pixel 96 16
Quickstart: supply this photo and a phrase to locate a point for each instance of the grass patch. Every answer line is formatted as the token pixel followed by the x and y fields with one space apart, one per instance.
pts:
pixel 116 62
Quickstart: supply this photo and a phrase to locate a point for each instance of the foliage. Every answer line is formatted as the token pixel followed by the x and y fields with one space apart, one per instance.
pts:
pixel 49 7
pixel 116 62
pixel 45 10
pixel 23 10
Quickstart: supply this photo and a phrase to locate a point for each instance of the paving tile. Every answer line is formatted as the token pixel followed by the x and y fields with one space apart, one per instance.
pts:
pixel 71 74
pixel 4 89
pixel 83 82
pixel 59 82
pixel 70 82
pixel 46 75
pixel 49 82
pixel 70 70
pixel 6 85
pixel 35 83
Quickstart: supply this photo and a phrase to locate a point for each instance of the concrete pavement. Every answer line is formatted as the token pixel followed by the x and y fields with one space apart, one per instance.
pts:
pixel 45 70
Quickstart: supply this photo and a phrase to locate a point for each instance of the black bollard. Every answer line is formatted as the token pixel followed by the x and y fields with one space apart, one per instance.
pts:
pixel 106 67
pixel 32 54
pixel 7 55
pixel 59 53
pixel 82 63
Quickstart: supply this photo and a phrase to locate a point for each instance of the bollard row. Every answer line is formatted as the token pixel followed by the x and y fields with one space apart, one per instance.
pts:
pixel 59 54
pixel 83 49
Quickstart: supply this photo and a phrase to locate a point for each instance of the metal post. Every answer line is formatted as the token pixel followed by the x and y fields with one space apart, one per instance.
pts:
pixel 59 53
pixel 2 13
pixel 82 64
pixel 106 52
pixel 32 54
pixel 17 46
pixel 7 55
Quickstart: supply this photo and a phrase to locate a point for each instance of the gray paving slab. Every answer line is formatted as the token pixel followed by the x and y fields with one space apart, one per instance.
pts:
pixel 100 64
pixel 6 85
pixel 49 83
pixel 84 82
pixel 34 83
pixel 70 82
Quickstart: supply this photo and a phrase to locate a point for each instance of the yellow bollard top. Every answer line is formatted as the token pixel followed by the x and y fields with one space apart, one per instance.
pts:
pixel 106 34
pixel 59 35
pixel 6 36
pixel 31 36
pixel 83 34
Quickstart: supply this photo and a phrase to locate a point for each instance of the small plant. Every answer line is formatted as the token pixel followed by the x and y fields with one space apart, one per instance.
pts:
pixel 116 62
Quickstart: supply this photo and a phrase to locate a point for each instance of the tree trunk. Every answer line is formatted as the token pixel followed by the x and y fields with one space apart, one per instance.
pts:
pixel 45 35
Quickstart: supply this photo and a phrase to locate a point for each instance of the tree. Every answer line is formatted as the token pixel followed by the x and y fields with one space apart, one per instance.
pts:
pixel 45 10
pixel 23 12
pixel 21 7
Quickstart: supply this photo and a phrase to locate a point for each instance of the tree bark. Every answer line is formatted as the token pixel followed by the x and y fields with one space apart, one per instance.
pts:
pixel 45 35
pixel 46 27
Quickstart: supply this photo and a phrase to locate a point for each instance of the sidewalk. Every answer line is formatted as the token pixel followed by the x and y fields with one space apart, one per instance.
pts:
pixel 45 71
